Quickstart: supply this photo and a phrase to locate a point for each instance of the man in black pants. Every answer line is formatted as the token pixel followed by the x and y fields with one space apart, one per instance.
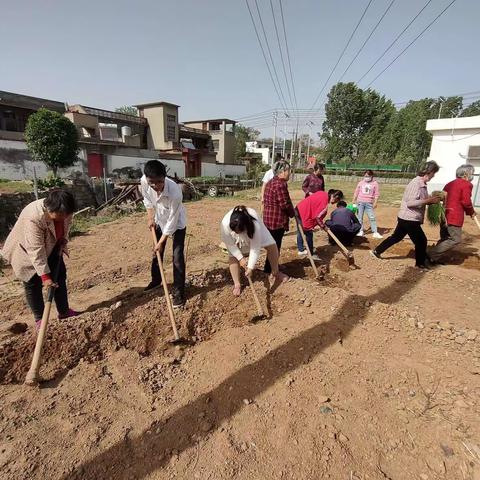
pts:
pixel 162 198
pixel 411 216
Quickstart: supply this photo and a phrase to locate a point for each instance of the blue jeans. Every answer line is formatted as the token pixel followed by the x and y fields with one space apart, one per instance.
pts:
pixel 308 236
pixel 368 208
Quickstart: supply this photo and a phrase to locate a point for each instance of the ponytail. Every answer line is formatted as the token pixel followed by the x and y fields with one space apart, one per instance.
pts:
pixel 241 221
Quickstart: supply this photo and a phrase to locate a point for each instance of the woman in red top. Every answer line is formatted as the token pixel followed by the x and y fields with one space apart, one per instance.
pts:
pixel 458 204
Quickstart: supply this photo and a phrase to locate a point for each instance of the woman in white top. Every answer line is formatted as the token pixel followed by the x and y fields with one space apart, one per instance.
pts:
pixel 244 234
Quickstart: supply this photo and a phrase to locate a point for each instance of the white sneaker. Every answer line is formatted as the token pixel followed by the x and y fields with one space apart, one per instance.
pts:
pixel 302 253
pixel 360 233
pixel 316 258
pixel 377 235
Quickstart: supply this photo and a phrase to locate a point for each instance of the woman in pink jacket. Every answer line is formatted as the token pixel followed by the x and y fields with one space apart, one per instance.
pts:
pixel 366 196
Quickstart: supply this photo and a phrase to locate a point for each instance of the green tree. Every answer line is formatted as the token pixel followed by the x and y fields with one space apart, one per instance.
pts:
pixel 472 110
pixel 52 139
pixel 128 110
pixel 243 134
pixel 446 107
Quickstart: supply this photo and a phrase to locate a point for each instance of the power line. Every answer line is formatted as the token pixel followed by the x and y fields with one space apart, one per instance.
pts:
pixel 367 39
pixel 413 41
pixel 264 55
pixel 343 53
pixel 269 51
pixel 288 53
pixel 281 54
pixel 395 41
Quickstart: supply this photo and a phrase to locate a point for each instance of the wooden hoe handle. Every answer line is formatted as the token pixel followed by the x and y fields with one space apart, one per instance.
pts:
pixel 255 296
pixel 165 287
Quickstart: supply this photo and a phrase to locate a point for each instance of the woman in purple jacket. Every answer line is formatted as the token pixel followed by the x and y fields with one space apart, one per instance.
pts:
pixel 314 182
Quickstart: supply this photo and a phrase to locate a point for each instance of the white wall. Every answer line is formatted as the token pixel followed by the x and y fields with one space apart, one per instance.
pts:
pixel 121 161
pixel 451 140
pixel 221 170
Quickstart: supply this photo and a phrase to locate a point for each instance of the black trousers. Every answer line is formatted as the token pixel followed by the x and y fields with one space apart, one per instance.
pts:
pixel 33 288
pixel 278 237
pixel 416 234
pixel 178 261
pixel 345 237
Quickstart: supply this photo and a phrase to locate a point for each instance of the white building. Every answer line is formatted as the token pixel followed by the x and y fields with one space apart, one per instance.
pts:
pixel 455 141
pixel 265 149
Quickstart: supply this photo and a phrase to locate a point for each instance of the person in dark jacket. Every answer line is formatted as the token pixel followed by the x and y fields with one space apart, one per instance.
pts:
pixel 458 204
pixel 314 182
pixel 344 224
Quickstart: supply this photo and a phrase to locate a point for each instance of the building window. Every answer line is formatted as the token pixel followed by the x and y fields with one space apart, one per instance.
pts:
pixel 171 127
pixel 216 145
pixel 215 126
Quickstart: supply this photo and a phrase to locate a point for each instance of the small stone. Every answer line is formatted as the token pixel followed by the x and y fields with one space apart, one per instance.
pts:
pixel 461 340
pixel 412 322
pixel 472 335
pixel 326 410
pixel 117 305
pixel 247 401
pixel 342 438
pixel 444 325
pixel 448 451
pixel 420 325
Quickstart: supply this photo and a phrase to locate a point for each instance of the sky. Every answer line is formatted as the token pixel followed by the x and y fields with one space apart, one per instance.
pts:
pixel 204 56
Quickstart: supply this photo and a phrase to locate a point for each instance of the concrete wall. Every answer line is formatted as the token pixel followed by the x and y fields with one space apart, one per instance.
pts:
pixel 157 122
pixel 221 170
pixel 11 204
pixel 16 163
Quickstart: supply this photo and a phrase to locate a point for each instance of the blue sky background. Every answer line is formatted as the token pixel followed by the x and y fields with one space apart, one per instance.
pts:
pixel 204 56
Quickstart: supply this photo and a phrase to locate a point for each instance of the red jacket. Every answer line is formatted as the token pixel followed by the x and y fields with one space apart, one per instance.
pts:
pixel 459 201
pixel 313 209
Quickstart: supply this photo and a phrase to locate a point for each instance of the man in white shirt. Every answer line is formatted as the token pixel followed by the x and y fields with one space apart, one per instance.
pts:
pixel 162 198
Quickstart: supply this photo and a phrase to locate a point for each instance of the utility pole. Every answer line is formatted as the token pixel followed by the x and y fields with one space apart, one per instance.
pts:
pixel 274 136
pixel 310 124
pixel 285 134
pixel 299 159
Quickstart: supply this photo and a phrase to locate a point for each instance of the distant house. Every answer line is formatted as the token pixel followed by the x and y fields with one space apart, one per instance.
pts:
pixel 222 131
pixel 264 148
pixel 110 141
pixel 455 141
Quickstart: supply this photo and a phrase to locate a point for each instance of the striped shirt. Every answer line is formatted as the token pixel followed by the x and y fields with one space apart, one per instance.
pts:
pixel 413 201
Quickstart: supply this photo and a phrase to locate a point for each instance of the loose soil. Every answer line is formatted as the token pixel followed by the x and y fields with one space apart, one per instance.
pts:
pixel 372 373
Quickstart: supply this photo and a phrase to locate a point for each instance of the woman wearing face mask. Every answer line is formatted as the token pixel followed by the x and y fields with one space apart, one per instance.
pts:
pixel 458 204
pixel 366 195
pixel 411 216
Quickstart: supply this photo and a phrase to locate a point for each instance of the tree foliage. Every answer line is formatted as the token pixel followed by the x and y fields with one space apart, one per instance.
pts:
pixel 472 110
pixel 52 139
pixel 362 125
pixel 128 110
pixel 243 134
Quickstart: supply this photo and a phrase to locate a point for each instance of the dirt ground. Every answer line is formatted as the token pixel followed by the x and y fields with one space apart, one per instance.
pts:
pixel 373 373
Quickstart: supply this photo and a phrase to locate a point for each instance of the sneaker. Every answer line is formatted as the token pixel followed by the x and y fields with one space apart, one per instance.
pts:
pixel 302 253
pixel 374 254
pixel 316 258
pixel 377 235
pixel 360 233
pixel 152 285
pixel 178 300
pixel 70 313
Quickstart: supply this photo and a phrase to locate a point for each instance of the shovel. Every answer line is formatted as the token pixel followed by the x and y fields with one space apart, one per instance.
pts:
pixel 176 337
pixel 32 375
pixel 348 255
pixel 260 315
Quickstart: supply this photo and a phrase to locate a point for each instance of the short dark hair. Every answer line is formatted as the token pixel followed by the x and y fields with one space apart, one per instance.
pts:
pixel 342 203
pixel 369 172
pixel 155 169
pixel 241 220
pixel 318 166
pixel 335 193
pixel 60 201
pixel 429 167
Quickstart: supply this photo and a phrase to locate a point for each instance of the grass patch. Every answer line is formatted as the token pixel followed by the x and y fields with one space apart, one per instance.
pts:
pixel 83 223
pixel 390 194
pixel 19 186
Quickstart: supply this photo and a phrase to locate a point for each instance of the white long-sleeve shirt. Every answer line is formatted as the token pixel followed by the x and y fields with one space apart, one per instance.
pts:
pixel 236 242
pixel 168 206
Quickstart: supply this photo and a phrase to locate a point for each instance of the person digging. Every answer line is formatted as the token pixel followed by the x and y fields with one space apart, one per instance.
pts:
pixel 163 198
pixel 35 249
pixel 244 235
